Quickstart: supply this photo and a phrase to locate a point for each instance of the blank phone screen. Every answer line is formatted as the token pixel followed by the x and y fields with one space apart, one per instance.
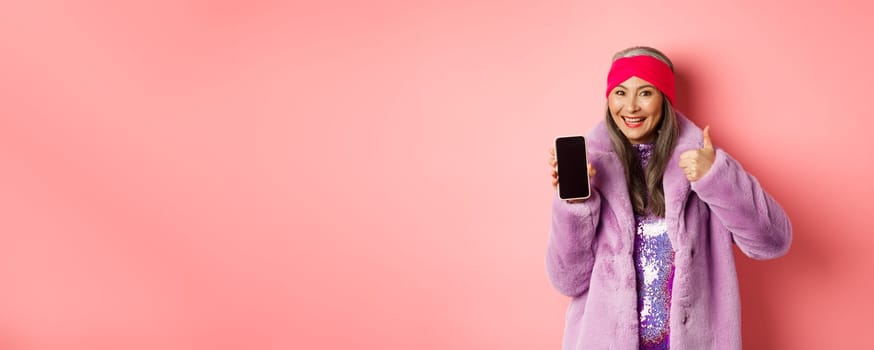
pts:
pixel 573 176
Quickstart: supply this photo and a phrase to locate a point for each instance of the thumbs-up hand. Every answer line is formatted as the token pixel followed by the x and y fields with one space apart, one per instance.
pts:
pixel 697 162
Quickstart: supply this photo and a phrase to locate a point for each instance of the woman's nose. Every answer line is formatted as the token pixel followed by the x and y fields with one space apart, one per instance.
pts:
pixel 633 105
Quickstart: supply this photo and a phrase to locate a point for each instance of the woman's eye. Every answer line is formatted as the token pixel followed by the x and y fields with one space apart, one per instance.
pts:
pixel 645 93
pixel 620 92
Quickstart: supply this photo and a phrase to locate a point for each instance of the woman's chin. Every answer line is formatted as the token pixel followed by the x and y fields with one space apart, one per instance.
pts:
pixel 635 136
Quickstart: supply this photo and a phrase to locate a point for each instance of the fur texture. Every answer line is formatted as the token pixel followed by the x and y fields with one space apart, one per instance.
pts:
pixel 589 251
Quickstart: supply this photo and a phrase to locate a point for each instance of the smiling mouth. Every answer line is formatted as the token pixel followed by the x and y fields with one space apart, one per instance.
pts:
pixel 633 122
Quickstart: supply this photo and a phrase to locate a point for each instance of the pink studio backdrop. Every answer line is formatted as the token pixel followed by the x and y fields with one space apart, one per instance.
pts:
pixel 172 172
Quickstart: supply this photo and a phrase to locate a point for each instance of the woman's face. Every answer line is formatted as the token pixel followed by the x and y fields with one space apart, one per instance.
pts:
pixel 636 108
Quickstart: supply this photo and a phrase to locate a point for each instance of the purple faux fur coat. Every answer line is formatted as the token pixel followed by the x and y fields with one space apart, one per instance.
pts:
pixel 589 251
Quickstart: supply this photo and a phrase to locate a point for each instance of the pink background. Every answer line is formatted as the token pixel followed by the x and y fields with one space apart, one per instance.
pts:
pixel 171 171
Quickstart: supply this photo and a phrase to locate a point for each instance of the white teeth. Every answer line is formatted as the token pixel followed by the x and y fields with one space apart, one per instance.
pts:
pixel 633 120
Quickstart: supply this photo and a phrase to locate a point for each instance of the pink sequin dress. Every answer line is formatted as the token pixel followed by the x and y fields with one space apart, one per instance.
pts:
pixel 654 262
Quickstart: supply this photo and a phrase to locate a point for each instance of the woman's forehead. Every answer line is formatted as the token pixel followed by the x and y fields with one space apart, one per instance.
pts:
pixel 635 83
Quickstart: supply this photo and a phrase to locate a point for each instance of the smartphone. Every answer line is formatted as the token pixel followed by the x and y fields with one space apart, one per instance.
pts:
pixel 573 174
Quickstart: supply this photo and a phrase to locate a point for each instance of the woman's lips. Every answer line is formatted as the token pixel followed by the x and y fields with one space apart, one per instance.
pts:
pixel 633 122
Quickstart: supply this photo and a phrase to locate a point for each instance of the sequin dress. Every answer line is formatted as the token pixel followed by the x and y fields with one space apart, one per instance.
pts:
pixel 654 262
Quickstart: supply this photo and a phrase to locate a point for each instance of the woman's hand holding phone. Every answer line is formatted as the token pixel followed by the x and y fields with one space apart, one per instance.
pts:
pixel 553 166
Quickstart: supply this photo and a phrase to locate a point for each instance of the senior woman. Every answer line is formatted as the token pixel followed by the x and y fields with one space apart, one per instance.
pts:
pixel 647 258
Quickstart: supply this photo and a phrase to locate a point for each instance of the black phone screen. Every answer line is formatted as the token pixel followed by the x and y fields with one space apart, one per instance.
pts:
pixel 573 175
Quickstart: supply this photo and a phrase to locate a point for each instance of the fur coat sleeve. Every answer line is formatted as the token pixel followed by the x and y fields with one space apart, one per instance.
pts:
pixel 757 223
pixel 570 254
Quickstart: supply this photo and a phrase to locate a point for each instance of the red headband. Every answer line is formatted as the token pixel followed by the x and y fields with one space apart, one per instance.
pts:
pixel 644 67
